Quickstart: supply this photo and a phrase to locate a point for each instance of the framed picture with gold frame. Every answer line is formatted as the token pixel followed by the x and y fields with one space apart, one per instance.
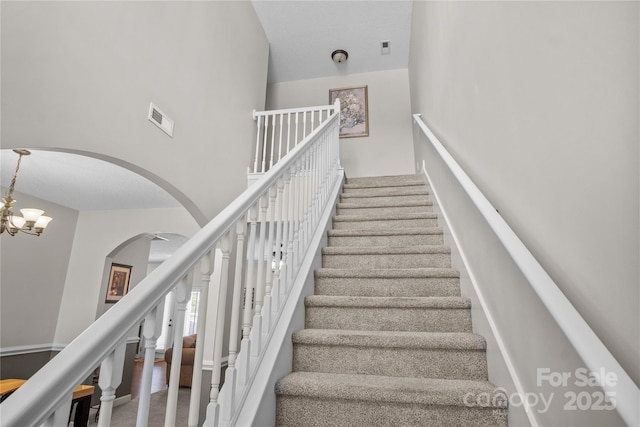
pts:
pixel 354 111
pixel 118 285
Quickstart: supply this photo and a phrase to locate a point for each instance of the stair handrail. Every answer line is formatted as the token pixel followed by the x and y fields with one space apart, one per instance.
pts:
pixel 589 347
pixel 38 400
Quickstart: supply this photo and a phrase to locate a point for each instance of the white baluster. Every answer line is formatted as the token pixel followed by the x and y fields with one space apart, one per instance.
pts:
pixel 269 267
pixel 280 139
pixel 109 380
pixel 265 144
pixel 293 199
pixel 304 205
pixel 250 278
pixel 255 162
pixel 59 417
pixel 206 269
pixel 313 115
pixel 213 409
pixel 230 376
pixel 285 233
pixel 183 294
pixel 277 262
pixel 151 330
pixel 246 346
pixel 261 283
pixel 257 341
pixel 315 169
pixel 272 147
pixel 304 125
pixel 295 142
pixel 288 131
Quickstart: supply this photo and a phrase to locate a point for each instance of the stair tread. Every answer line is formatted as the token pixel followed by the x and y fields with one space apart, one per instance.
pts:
pixel 424 391
pixel 386 273
pixel 386 204
pixel 349 232
pixel 390 339
pixel 386 250
pixel 415 190
pixel 384 216
pixel 394 179
pixel 387 302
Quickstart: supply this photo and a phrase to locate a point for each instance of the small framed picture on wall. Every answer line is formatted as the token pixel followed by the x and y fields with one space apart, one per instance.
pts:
pixel 354 113
pixel 118 284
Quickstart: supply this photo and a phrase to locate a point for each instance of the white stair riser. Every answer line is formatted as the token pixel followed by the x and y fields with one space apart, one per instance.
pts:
pixel 388 319
pixel 398 362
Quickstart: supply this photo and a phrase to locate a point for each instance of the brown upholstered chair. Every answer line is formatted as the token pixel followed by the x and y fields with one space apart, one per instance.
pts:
pixel 186 364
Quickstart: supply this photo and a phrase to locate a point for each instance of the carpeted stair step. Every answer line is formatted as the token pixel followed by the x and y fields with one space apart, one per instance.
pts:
pixel 388 337
pixel 382 257
pixel 408 282
pixel 382 181
pixel 427 314
pixel 385 207
pixel 310 399
pixel 386 237
pixel 376 192
pixel 391 353
pixel 407 220
pixel 391 199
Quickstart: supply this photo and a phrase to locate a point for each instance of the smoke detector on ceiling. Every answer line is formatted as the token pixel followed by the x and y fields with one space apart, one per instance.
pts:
pixel 160 119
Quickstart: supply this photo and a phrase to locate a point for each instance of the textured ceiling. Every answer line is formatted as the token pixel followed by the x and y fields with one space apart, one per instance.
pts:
pixel 302 35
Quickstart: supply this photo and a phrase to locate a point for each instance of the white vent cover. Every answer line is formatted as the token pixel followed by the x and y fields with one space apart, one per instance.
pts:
pixel 160 119
pixel 385 47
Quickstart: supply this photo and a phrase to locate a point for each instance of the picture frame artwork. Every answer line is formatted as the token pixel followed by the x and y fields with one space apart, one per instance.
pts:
pixel 118 284
pixel 354 111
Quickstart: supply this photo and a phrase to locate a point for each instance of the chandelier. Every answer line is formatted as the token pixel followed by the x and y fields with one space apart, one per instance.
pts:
pixel 32 221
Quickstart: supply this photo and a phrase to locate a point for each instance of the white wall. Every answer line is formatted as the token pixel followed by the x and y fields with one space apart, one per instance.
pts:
pixel 538 101
pixel 388 149
pixel 81 75
pixel 98 233
pixel 32 277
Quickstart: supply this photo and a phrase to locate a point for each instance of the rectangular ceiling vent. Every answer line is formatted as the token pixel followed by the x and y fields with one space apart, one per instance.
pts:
pixel 160 119
pixel 385 47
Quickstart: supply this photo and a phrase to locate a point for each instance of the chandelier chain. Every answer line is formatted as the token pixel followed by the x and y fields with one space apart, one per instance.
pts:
pixel 15 177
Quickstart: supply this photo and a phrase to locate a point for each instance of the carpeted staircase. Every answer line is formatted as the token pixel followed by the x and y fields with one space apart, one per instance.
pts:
pixel 387 338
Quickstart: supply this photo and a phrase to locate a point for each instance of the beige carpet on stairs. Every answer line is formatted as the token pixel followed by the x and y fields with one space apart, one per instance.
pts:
pixel 388 339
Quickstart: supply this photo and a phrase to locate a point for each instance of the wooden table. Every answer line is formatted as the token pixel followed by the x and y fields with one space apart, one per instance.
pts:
pixel 81 398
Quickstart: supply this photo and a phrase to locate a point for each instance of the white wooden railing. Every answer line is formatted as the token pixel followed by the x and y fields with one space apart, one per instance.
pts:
pixel 589 347
pixel 251 253
pixel 279 131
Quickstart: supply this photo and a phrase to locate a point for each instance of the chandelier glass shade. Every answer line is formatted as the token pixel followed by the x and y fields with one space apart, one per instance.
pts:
pixel 32 221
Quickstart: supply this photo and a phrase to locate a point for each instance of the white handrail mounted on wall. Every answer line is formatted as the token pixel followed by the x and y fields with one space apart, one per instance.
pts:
pixel 589 347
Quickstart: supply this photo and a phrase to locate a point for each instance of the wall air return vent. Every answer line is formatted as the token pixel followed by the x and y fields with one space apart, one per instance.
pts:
pixel 160 119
